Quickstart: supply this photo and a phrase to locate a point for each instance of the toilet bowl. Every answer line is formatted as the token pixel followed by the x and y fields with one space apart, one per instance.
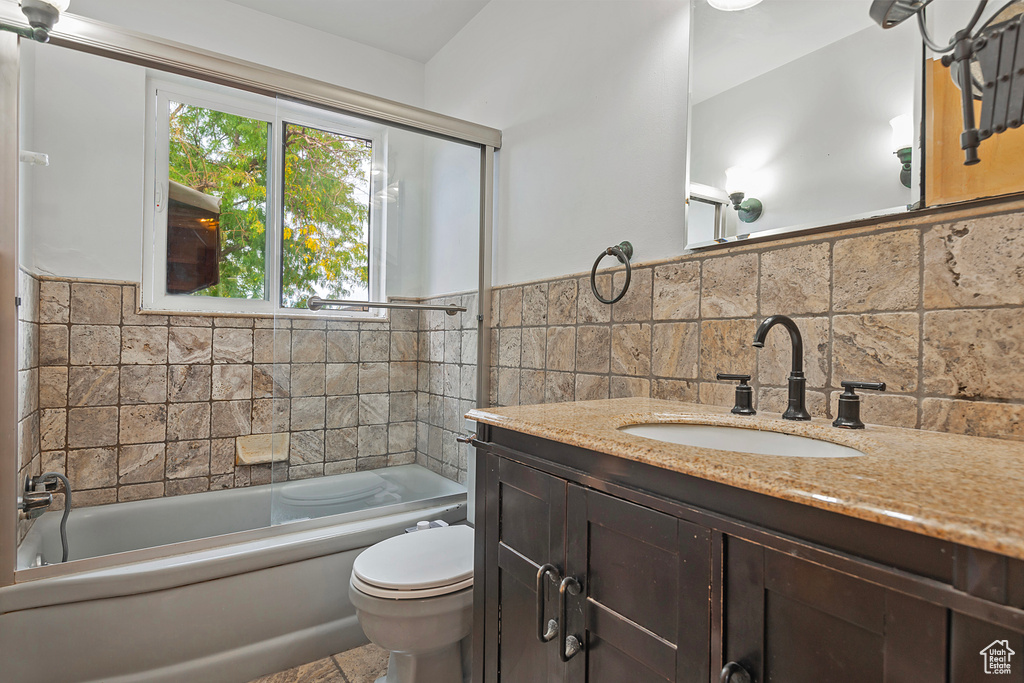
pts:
pixel 413 595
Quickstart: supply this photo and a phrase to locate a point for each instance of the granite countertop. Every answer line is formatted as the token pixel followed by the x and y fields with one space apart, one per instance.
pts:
pixel 963 489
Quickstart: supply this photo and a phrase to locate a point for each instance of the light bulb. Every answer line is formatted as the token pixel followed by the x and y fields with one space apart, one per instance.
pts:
pixel 732 5
pixel 902 131
pixel 737 179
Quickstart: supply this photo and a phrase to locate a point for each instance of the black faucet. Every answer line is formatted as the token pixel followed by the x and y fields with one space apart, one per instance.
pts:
pixel 797 409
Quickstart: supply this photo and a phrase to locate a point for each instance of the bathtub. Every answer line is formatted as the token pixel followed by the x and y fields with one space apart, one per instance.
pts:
pixel 202 587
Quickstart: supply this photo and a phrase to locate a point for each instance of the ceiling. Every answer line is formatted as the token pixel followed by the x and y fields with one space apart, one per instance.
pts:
pixel 415 29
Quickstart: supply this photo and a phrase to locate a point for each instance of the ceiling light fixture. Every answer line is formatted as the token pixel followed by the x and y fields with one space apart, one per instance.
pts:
pixel 732 5
pixel 41 15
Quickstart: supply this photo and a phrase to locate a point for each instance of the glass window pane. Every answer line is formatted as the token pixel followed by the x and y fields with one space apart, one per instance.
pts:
pixel 326 216
pixel 217 203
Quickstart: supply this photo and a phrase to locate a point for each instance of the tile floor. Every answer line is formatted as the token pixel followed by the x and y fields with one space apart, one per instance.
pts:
pixel 360 665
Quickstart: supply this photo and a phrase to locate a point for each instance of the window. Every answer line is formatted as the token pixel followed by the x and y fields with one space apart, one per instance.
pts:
pixel 259 203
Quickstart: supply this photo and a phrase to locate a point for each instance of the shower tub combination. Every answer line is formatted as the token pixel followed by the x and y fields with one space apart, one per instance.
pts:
pixel 210 586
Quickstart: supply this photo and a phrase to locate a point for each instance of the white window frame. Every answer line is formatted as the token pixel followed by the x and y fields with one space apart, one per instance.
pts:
pixel 277 113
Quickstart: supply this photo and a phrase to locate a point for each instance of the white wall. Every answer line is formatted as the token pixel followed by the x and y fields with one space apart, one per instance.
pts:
pixel 590 96
pixel 815 133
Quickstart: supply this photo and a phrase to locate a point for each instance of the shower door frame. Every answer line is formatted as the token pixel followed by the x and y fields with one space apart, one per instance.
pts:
pixel 105 40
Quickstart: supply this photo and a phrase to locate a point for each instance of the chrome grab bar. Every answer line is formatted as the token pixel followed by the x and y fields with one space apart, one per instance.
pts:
pixel 315 303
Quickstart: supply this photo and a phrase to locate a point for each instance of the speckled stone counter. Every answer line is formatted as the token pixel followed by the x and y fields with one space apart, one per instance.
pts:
pixel 967 490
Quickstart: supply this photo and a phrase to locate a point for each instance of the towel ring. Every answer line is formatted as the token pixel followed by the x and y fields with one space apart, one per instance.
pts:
pixel 623 251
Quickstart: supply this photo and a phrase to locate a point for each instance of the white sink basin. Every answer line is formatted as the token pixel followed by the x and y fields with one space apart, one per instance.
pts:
pixel 741 440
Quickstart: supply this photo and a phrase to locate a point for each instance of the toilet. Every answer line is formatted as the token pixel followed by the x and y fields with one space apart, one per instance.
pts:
pixel 413 595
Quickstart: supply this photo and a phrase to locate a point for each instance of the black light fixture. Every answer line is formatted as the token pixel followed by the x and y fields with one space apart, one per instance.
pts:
pixel 737 179
pixel 990 60
pixel 41 15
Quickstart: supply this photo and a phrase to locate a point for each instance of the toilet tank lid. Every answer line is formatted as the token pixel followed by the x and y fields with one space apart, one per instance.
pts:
pixel 419 560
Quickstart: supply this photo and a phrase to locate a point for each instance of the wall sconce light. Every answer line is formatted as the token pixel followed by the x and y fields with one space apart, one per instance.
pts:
pixel 748 210
pixel 732 5
pixel 41 15
pixel 902 143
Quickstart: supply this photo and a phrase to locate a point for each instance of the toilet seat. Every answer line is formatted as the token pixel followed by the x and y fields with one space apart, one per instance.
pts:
pixel 423 564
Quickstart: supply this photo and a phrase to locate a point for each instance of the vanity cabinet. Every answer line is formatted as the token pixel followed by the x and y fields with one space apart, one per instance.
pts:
pixel 679 578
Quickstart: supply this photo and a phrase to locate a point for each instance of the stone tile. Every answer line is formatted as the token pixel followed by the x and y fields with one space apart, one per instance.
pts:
pixel 92 468
pixel 306 448
pixel 95 345
pixel 775 360
pixel 232 382
pixel 405 320
pixel 340 467
pixel 974 353
pixel 676 350
pixel 309 346
pixel 143 384
pixel 715 394
pixel 28 392
pixel 631 349
pixel 401 437
pixel 403 376
pixel 308 379
pixel 269 381
pixel 53 431
pixel 253 449
pixel 193 320
pixel 93 304
pixel 467 382
pixel 143 424
pixel 876 272
pixel 342 378
pixel 636 305
pixel 533 347
pixel 305 471
pixel 308 413
pixel 342 411
pixel 141 463
pixel 531 387
pixel 677 291
pixel 92 427
pixel 795 281
pixel 341 444
pixel 452 346
pixel 510 307
pixel 374 409
pixel 271 346
pixel 308 323
pixel 876 348
pixel 729 287
pixel 881 409
pixel 559 387
pixel 725 346
pixel 562 296
pixel 189 383
pixel 222 456
pixel 535 304
pixel 342 346
pixel 435 346
pixel 974 418
pixel 371 463
pixel 53 387
pixel 629 387
pixel 89 498
pixel 142 345
pixel 975 262
pixel 508 386
pixel 184 487
pixel 588 308
pixel 675 390
pixel 222 482
pixel 188 421
pixel 373 378
pixel 28 345
pixel 53 344
pixel 469 347
pixel 132 492
pixel 189 345
pixel 404 346
pixel 93 386
pixel 591 387
pixel 373 440
pixel 772 400
pixel 403 406
pixel 561 348
pixel 231 418
pixel 510 344
pixel 54 302
pixel 271 415
pixel 374 346
pixel 130 313
pixel 231 345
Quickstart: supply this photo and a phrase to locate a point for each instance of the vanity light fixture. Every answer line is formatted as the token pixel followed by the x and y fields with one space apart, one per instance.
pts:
pixel 902 144
pixel 982 64
pixel 748 210
pixel 732 5
pixel 41 15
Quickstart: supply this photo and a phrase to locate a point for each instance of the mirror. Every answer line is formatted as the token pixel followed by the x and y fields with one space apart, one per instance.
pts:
pixel 795 99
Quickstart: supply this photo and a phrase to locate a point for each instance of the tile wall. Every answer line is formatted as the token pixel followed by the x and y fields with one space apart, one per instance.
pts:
pixel 933 307
pixel 29 457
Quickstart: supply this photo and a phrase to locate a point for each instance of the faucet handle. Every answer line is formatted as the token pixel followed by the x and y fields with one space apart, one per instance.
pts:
pixel 744 394
pixel 849 404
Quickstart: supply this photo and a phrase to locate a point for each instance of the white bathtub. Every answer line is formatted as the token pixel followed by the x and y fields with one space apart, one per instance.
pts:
pixel 223 596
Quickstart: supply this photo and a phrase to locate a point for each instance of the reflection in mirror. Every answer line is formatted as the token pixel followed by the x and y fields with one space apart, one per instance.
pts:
pixel 799 95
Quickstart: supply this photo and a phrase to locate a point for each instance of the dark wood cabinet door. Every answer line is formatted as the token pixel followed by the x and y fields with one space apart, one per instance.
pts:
pixel 643 613
pixel 788 619
pixel 529 527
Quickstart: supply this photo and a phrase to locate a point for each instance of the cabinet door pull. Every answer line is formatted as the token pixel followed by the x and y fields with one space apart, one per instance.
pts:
pixel 572 643
pixel 734 673
pixel 545 631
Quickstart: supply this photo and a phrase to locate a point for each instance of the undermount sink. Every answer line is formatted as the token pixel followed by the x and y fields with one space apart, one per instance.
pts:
pixel 741 440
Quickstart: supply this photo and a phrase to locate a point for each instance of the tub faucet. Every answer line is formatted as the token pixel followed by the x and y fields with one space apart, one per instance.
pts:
pixel 797 409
